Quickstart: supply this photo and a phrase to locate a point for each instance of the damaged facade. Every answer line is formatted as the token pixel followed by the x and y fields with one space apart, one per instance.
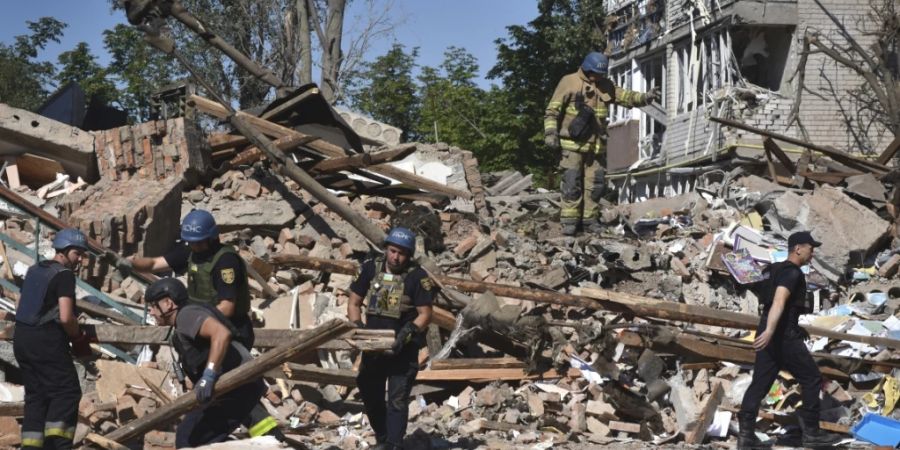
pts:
pixel 724 58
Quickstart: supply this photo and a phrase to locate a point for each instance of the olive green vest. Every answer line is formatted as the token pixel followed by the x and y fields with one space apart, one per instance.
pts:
pixel 386 297
pixel 200 283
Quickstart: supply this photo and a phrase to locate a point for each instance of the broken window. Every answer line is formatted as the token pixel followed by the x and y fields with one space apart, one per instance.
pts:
pixel 702 68
pixel 762 53
pixel 632 23
pixel 641 76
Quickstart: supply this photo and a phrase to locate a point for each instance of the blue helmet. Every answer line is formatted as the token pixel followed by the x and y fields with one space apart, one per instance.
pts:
pixel 595 62
pixel 403 238
pixel 198 225
pixel 69 237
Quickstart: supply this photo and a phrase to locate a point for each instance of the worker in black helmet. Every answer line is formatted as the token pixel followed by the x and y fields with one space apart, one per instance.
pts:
pixel 399 295
pixel 46 324
pixel 203 339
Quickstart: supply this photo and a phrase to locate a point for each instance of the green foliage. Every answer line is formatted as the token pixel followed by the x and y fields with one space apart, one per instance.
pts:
pixel 138 68
pixel 532 59
pixel 388 92
pixel 80 66
pixel 23 80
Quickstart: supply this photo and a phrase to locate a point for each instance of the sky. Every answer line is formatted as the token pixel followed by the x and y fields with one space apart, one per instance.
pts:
pixel 431 25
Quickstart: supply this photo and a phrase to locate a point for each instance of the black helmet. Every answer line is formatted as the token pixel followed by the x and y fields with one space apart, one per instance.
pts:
pixel 166 287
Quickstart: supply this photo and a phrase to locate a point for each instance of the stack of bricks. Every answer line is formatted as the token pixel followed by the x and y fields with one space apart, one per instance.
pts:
pixel 153 150
pixel 133 216
pixel 473 178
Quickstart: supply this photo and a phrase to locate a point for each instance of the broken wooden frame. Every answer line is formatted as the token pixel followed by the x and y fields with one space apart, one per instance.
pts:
pixel 299 345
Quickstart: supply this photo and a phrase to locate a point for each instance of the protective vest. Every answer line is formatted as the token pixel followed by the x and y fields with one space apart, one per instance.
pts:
pixel 765 289
pixel 579 111
pixel 34 307
pixel 193 353
pixel 200 283
pixel 386 296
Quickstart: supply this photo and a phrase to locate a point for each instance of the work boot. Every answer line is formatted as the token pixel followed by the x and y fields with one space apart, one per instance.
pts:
pixel 815 437
pixel 569 228
pixel 593 226
pixel 747 439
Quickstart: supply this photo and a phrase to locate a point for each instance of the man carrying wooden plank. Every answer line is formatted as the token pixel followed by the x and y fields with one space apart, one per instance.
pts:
pixel 46 321
pixel 203 340
pixel 399 295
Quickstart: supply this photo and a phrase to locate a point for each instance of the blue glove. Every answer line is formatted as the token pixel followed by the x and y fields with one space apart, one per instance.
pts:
pixel 204 387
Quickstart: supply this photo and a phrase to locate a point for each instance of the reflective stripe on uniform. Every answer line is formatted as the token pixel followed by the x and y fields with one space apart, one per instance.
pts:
pixel 580 147
pixel 590 213
pixel 59 429
pixel 549 124
pixel 573 213
pixel 32 439
pixel 263 426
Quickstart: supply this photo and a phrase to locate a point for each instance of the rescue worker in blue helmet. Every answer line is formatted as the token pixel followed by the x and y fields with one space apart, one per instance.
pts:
pixel 575 123
pixel 398 295
pixel 46 323
pixel 216 274
pixel 208 346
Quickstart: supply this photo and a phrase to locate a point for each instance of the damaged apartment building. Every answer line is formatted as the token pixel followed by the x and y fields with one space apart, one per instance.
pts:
pixel 733 59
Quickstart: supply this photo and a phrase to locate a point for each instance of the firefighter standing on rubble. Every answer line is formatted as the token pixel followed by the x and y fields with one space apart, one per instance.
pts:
pixel 575 122
pixel 216 274
pixel 399 295
pixel 46 322
pixel 779 344
pixel 208 345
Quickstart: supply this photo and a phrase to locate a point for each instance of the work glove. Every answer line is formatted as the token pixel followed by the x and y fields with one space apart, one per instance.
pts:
pixel 125 266
pixel 654 95
pixel 204 387
pixel 552 141
pixel 81 346
pixel 404 337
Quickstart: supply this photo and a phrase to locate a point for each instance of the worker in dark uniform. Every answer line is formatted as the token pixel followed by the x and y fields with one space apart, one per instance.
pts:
pixel 216 274
pixel 399 296
pixel 779 345
pixel 207 347
pixel 46 322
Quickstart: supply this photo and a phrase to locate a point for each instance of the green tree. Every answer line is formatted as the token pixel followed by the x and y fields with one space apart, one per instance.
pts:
pixel 24 81
pixel 80 66
pixel 139 69
pixel 387 91
pixel 532 59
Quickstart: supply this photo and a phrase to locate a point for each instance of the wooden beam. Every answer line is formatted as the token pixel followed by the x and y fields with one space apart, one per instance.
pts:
pixel 776 151
pixel 697 431
pixel 476 363
pixel 357 339
pixel 890 151
pixel 362 160
pixel 837 155
pixel 305 342
pixel 12 409
pixel 482 375
pixel 314 374
pixel 103 442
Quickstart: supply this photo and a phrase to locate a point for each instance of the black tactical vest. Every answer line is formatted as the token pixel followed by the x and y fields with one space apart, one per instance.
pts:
pixel 34 307
pixel 193 353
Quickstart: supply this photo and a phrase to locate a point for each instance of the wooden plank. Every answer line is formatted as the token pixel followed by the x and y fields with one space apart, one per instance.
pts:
pixel 776 151
pixel 12 172
pixel 628 427
pixel 103 442
pixel 362 160
pixel 12 409
pixel 36 171
pixel 698 430
pixel 303 343
pixel 314 374
pixel 890 151
pixel 476 363
pixel 475 375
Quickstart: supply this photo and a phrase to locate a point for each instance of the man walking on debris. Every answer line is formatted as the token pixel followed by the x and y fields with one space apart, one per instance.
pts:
pixel 46 322
pixel 399 295
pixel 575 122
pixel 216 273
pixel 208 346
pixel 779 344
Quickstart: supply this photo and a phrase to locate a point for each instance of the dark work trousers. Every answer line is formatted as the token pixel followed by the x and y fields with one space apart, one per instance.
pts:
pixel 214 422
pixel 388 418
pixel 786 352
pixel 52 391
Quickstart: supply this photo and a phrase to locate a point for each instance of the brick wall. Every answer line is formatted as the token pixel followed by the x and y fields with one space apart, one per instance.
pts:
pixel 131 216
pixel 821 116
pixel 153 150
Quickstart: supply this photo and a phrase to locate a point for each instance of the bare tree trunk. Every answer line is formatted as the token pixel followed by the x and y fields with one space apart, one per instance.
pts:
pixel 330 40
pixel 304 68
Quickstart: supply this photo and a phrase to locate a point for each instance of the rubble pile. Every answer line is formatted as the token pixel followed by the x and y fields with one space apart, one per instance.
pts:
pixel 641 334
